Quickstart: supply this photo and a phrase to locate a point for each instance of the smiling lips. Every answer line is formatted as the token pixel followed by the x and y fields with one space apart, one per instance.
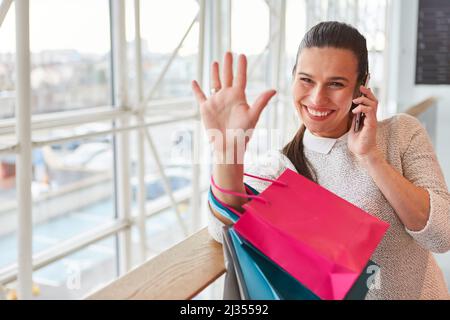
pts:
pixel 317 113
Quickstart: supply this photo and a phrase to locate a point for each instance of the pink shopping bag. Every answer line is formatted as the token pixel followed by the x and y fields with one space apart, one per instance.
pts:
pixel 319 238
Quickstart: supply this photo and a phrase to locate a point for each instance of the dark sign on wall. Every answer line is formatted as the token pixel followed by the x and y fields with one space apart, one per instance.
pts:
pixel 433 42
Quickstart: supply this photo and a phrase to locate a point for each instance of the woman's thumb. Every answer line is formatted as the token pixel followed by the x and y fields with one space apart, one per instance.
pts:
pixel 262 101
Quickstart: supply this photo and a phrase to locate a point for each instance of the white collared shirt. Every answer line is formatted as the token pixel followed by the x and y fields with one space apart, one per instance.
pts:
pixel 320 144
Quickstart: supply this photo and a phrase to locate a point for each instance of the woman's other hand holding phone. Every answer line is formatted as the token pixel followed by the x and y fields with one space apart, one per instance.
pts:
pixel 363 143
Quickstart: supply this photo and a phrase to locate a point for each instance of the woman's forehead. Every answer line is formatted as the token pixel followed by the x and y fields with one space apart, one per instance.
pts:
pixel 328 62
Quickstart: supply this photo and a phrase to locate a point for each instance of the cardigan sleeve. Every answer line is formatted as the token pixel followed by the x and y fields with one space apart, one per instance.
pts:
pixel 270 166
pixel 421 167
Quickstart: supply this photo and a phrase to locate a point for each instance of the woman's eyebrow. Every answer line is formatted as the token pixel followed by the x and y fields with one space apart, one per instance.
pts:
pixel 331 78
pixel 305 74
pixel 339 78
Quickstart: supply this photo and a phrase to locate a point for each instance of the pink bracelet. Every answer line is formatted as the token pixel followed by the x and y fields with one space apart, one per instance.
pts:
pixel 248 196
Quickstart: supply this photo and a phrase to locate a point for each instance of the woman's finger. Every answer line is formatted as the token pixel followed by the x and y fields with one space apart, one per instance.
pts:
pixel 228 70
pixel 215 78
pixel 353 123
pixel 369 115
pixel 368 93
pixel 368 111
pixel 365 101
pixel 200 96
pixel 241 75
pixel 261 102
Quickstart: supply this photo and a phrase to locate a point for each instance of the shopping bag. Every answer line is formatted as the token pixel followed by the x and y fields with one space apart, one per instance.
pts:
pixel 243 280
pixel 233 288
pixel 276 279
pixel 296 222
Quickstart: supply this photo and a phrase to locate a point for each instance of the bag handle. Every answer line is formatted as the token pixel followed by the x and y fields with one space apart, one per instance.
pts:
pixel 248 196
pixel 215 201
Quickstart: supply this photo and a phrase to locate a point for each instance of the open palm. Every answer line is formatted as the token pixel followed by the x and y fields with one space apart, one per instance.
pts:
pixel 227 108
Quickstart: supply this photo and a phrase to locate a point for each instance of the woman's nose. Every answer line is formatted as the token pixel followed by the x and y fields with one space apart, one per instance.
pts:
pixel 318 96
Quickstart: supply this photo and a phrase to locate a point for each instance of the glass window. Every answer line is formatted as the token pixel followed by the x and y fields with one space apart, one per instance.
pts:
pixel 74 276
pixel 173 143
pixel 252 40
pixel 8 216
pixel 7 64
pixel 163 25
pixel 162 230
pixel 78 274
pixel 73 189
pixel 70 54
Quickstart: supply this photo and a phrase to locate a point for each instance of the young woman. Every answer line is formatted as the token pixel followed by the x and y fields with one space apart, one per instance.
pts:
pixel 388 168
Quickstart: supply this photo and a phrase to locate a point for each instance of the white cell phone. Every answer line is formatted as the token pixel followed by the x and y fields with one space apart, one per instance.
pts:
pixel 359 122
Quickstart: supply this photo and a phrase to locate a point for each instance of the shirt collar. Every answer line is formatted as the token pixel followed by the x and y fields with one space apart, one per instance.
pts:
pixel 320 144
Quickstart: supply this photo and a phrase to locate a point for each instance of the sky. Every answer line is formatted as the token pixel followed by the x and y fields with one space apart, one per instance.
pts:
pixel 56 24
pixel 84 25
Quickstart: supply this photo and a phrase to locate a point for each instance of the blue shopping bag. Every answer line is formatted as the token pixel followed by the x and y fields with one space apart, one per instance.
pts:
pixel 251 281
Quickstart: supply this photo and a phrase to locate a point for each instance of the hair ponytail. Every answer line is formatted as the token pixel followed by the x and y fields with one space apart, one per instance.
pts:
pixel 294 151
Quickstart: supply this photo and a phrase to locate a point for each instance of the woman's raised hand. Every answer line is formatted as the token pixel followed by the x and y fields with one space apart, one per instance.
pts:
pixel 227 107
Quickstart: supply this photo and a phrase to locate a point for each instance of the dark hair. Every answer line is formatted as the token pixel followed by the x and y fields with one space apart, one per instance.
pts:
pixel 326 34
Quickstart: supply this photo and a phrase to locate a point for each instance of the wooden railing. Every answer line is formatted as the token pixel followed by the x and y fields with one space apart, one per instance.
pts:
pixel 420 108
pixel 186 269
pixel 427 115
pixel 180 272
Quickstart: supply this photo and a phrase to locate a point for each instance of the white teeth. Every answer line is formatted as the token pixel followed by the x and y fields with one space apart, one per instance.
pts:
pixel 318 114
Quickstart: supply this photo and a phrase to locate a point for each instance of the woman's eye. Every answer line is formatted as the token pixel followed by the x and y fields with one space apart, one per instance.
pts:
pixel 306 80
pixel 336 84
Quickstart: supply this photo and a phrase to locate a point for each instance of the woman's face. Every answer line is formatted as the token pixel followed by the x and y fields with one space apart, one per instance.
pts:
pixel 323 89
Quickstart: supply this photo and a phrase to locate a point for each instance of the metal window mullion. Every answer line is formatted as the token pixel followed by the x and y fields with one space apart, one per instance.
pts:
pixel 140 134
pixel 24 158
pixel 195 138
pixel 356 12
pixel 279 58
pixel 11 149
pixel 99 114
pixel 217 27
pixel 63 119
pixel 38 144
pixel 384 111
pixel 165 181
pixel 228 36
pixel 275 54
pixel 214 39
pixel 122 140
pixel 4 8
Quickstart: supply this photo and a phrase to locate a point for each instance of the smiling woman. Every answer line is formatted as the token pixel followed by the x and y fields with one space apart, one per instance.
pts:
pixel 331 61
pixel 323 88
pixel 388 168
